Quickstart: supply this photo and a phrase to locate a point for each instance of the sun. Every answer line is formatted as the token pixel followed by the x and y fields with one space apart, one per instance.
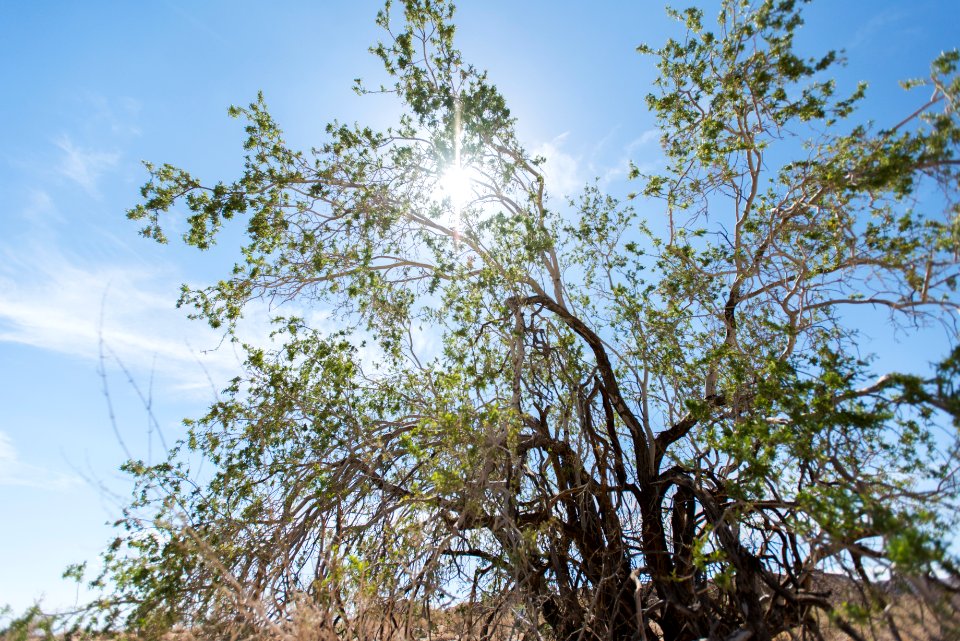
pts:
pixel 457 185
pixel 459 196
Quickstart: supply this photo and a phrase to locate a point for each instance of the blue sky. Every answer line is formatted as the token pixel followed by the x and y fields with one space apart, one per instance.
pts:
pixel 92 88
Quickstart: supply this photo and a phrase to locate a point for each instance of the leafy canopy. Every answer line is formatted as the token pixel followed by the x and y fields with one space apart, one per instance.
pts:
pixel 568 421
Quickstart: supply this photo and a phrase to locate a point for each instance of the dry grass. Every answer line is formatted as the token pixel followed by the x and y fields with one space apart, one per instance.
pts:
pixel 914 612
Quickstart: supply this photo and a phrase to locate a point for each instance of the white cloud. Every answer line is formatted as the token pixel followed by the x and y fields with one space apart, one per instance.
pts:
pixel 84 166
pixel 13 471
pixel 644 139
pixel 114 115
pixel 39 208
pixel 53 302
pixel 566 174
pixel 647 162
pixel 875 26
pixel 562 170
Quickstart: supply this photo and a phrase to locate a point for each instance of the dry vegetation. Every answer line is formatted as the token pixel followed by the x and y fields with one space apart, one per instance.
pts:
pixel 914 610
pixel 628 427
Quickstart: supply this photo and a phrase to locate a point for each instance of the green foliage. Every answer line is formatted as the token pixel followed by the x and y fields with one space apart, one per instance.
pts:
pixel 566 419
pixel 32 625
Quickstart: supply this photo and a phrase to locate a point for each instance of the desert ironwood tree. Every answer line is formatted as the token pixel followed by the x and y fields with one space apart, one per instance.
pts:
pixel 568 421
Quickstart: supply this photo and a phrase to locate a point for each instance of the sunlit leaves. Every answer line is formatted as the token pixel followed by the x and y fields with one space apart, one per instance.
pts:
pixel 550 408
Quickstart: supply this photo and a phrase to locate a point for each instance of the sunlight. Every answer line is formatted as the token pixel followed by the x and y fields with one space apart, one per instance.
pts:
pixel 457 185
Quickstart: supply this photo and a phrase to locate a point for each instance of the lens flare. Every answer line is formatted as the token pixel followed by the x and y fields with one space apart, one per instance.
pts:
pixel 456 185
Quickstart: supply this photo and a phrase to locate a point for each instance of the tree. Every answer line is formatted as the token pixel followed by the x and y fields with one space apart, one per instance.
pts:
pixel 569 422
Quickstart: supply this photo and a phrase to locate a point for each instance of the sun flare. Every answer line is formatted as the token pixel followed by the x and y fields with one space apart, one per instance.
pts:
pixel 457 185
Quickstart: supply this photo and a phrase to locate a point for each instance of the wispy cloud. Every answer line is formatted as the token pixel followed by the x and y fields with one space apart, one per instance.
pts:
pixel 562 170
pixel 567 173
pixel 200 25
pixel 39 209
pixel 115 117
pixel 58 303
pixel 644 139
pixel 637 152
pixel 874 27
pixel 14 471
pixel 84 166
